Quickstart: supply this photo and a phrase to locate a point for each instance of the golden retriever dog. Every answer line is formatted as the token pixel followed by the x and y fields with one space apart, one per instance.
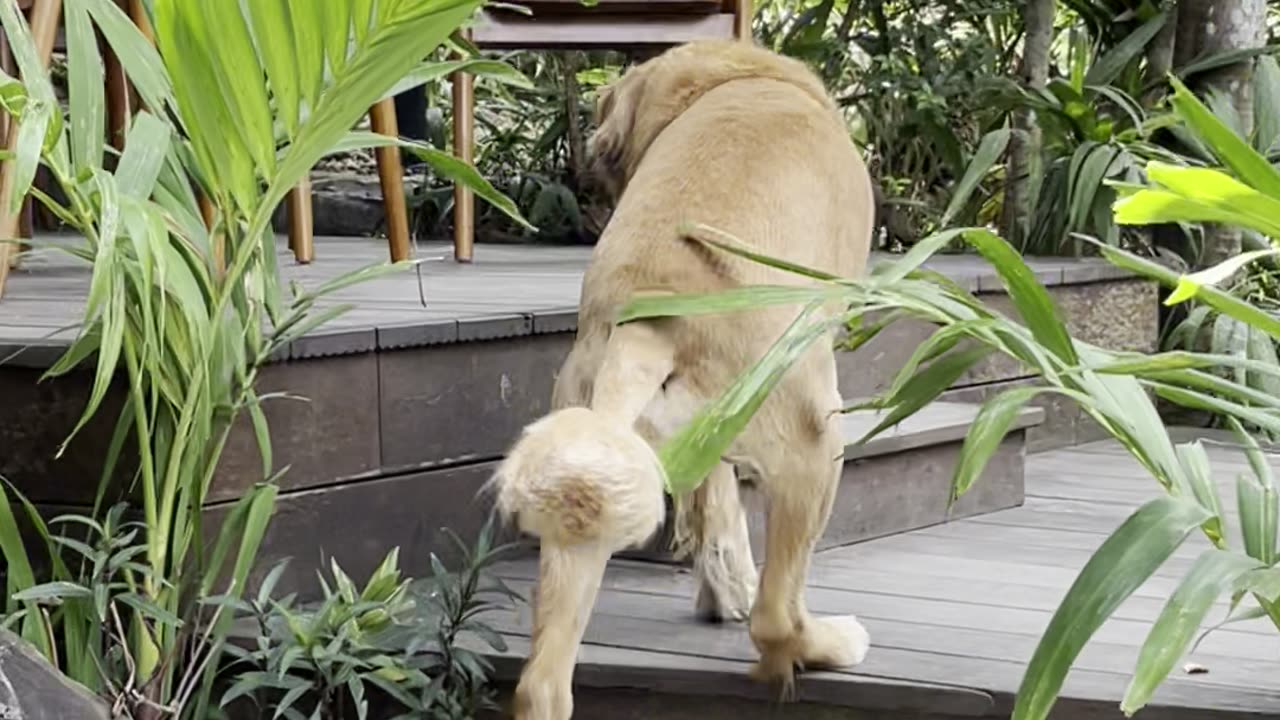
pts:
pixel 728 135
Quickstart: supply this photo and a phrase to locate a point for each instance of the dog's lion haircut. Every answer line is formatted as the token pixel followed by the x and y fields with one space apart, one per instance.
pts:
pixel 748 142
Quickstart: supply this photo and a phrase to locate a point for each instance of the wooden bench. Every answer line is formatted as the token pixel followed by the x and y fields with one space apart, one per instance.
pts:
pixel 569 25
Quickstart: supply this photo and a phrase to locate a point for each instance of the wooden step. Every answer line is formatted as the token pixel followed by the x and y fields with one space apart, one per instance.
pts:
pixel 901 480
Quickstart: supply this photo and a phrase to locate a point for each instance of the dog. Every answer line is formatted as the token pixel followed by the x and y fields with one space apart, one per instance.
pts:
pixel 732 136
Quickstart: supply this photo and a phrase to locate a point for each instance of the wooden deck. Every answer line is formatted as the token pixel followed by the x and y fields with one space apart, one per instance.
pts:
pixel 955 611
pixel 509 291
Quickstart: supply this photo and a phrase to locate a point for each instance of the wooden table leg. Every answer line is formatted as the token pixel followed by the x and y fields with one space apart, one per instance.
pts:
pixel 301 225
pixel 391 174
pixel 464 201
pixel 44 29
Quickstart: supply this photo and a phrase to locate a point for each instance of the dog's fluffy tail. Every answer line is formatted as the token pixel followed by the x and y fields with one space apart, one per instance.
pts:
pixel 584 474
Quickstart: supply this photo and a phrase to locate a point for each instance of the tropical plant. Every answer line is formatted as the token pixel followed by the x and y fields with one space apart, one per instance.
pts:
pixel 1112 388
pixel 242 101
pixel 400 637
pixel 531 129
pixel 1202 327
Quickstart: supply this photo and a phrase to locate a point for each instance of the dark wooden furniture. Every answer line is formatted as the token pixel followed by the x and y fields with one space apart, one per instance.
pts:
pixel 569 25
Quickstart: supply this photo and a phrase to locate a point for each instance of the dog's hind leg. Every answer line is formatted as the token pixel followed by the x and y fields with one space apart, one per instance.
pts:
pixel 587 485
pixel 711 525
pixel 800 473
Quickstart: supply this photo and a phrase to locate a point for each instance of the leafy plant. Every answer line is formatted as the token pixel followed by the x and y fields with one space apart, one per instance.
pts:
pixel 404 641
pixel 1112 388
pixel 182 313
pixel 1203 328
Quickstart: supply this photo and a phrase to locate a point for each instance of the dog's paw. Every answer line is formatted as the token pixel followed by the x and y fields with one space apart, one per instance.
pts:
pixel 726 604
pixel 727 585
pixel 835 642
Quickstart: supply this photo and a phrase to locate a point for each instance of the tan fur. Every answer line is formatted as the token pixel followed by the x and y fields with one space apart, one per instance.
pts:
pixel 747 142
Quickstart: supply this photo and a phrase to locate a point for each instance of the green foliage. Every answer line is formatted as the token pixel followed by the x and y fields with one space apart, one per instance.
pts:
pixel 1112 388
pixel 406 642
pixel 531 126
pixel 909 77
pixel 1236 317
pixel 244 105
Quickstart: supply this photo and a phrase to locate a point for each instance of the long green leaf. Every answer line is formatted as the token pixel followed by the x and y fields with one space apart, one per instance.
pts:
pixel 144 156
pixel 480 67
pixel 445 164
pixel 1124 561
pixel 926 385
pixel 989 151
pixel 1258 507
pixel 1030 298
pixel 753 297
pixel 139 58
pixel 893 272
pixel 1229 147
pixel 689 456
pixel 308 34
pixel 239 74
pixel 1107 68
pixel 1087 181
pixel 1266 83
pixel 1223 302
pixel 87 96
pixel 273 29
pixel 1189 285
pixel 1204 487
pixel 1214 572
pixel 989 429
pixel 19 576
pixel 33 127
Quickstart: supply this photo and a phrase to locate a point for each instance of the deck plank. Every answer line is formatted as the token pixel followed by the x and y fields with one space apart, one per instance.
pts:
pixel 958 606
pixel 47 291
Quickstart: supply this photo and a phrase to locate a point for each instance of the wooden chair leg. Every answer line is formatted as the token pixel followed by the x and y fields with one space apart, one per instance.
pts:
pixel 119 100
pixel 464 201
pixel 44 29
pixel 391 174
pixel 301 223
pixel 27 222
pixel 138 13
pixel 742 20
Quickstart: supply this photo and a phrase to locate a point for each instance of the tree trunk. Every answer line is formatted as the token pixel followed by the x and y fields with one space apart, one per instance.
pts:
pixel 1160 55
pixel 1208 27
pixel 1024 147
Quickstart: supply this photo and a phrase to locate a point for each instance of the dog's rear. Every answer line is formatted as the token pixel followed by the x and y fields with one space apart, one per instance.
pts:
pixel 680 138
